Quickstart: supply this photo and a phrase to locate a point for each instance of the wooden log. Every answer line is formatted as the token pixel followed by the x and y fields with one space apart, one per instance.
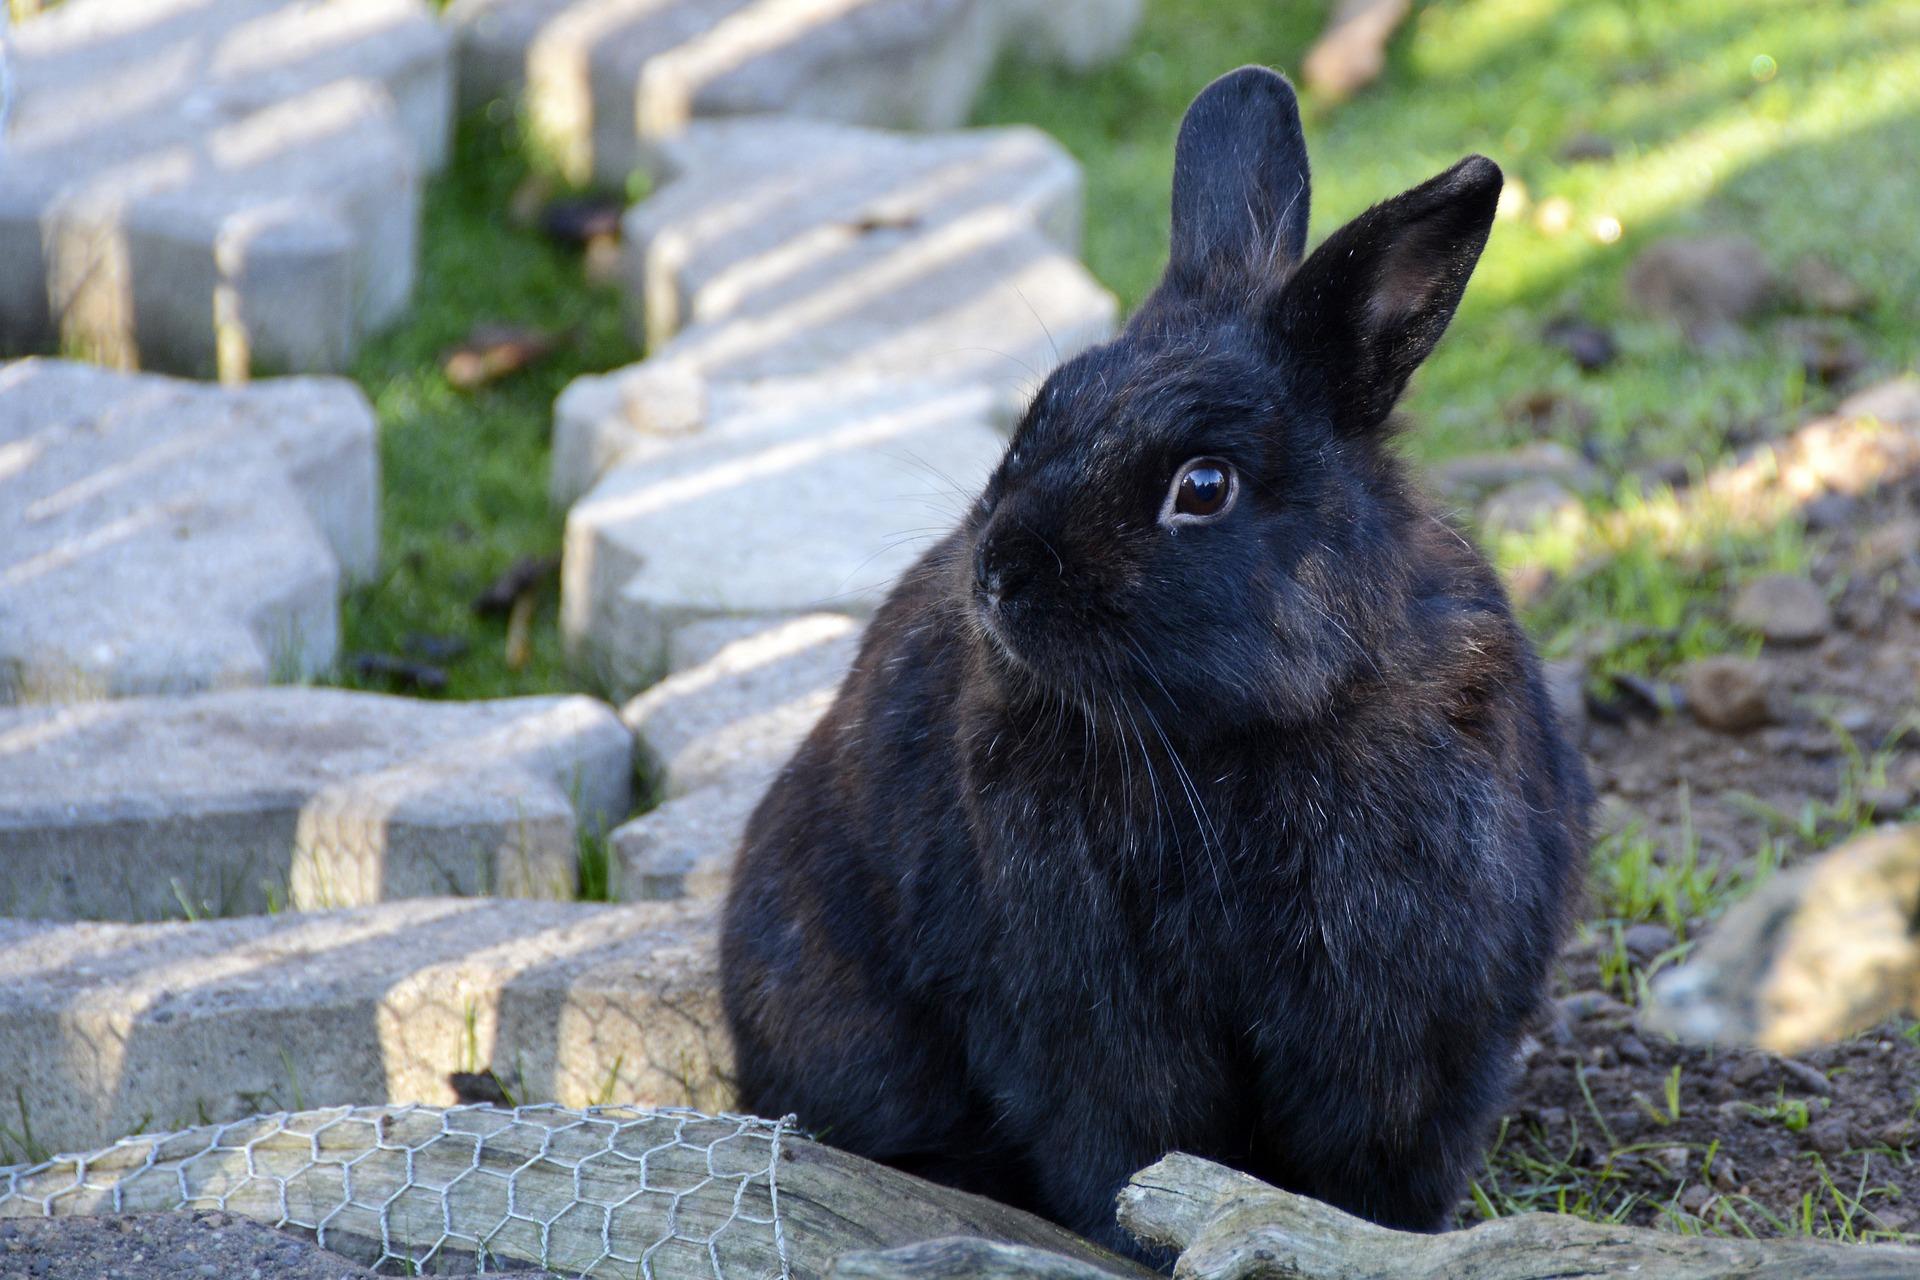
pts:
pixel 604 1192
pixel 1233 1227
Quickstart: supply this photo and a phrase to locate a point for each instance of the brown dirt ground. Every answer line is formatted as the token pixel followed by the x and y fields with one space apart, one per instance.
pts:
pixel 1829 1142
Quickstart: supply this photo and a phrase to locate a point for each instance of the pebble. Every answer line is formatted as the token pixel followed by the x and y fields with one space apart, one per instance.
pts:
pixel 1526 505
pixel 1726 1174
pixel 1728 692
pixel 1675 1160
pixel 1886 802
pixel 1830 511
pixel 1633 1050
pixel 1889 545
pixel 1706 283
pixel 1828 1135
pixel 1807 1077
pixel 1591 347
pixel 1783 608
pixel 1582 1005
pixel 1695 1198
pixel 1819 286
pixel 1645 941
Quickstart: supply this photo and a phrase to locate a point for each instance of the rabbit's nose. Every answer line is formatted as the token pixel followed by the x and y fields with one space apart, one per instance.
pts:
pixel 987 577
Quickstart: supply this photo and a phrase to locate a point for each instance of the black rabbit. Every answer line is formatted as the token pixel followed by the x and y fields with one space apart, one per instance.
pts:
pixel 1198 792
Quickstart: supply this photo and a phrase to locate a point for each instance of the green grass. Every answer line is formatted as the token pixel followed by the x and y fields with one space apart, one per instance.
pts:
pixel 465 473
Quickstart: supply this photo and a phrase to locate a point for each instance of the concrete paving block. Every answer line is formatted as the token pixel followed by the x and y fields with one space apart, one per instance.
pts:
pixel 686 847
pixel 812 500
pixel 610 84
pixel 762 213
pixel 111 1029
pixel 608 81
pixel 160 536
pixel 740 712
pixel 224 803
pixel 209 186
pixel 1076 33
pixel 742 696
pixel 985 301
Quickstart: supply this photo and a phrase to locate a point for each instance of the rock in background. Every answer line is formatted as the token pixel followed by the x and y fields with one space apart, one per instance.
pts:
pixel 1820 953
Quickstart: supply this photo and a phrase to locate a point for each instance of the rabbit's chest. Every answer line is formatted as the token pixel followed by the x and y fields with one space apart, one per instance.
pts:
pixel 1189 874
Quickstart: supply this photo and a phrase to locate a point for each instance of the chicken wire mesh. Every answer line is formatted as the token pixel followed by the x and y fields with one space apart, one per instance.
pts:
pixel 661 1194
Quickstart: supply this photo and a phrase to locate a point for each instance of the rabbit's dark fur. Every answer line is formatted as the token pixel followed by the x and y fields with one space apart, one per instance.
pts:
pixel 1251 838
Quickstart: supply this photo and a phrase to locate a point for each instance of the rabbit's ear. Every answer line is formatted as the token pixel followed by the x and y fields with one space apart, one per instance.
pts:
pixel 1239 181
pixel 1372 301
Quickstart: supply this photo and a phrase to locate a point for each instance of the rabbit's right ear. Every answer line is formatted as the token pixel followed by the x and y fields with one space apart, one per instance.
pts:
pixel 1239 182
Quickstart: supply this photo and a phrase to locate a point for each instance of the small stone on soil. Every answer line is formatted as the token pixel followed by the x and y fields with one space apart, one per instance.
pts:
pixel 1830 511
pixel 1591 347
pixel 1784 608
pixel 1707 284
pixel 1818 286
pixel 1728 692
pixel 1645 941
pixel 1828 1136
pixel 1525 505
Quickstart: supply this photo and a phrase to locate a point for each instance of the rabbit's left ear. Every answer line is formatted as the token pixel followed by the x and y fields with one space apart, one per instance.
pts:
pixel 1239 182
pixel 1372 301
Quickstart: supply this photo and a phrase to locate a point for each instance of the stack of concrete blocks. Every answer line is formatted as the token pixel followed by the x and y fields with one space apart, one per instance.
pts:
pixel 168 550
pixel 843 324
pixel 214 186
pixel 211 186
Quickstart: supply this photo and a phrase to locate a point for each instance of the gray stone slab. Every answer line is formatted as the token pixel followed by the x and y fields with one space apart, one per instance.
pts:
pixel 986 301
pixel 211 185
pixel 607 81
pixel 739 713
pixel 1076 33
pixel 742 696
pixel 162 536
pixel 764 212
pixel 223 803
pixel 813 499
pixel 685 848
pixel 110 1029
pixel 609 84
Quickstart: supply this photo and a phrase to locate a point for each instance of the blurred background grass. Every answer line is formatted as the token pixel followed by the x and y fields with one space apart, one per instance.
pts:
pixel 1794 123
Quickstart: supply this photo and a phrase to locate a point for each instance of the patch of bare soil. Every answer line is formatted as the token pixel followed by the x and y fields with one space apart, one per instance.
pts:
pixel 1610 1120
pixel 1837 703
pixel 1664 1134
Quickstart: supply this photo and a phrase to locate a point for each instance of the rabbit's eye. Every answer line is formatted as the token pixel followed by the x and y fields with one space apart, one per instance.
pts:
pixel 1204 488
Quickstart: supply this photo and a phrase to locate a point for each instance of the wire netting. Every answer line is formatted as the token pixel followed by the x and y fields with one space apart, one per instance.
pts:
pixel 661 1194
